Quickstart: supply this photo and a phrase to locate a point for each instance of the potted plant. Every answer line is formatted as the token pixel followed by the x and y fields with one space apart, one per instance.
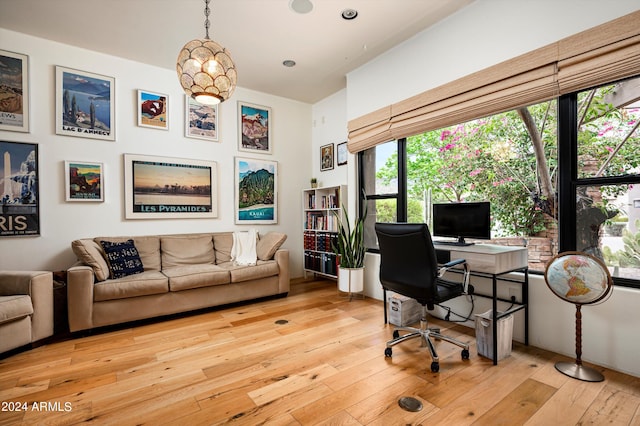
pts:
pixel 314 183
pixel 350 248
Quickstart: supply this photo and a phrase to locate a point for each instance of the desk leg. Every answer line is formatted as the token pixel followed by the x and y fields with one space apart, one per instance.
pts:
pixel 495 321
pixel 525 301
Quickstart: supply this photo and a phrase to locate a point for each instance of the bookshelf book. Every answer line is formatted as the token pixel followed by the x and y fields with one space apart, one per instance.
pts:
pixel 321 209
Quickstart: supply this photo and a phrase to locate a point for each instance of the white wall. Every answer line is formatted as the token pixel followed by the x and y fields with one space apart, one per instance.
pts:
pixel 61 222
pixel 480 35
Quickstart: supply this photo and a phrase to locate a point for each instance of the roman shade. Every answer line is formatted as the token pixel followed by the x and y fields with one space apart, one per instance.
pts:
pixel 602 54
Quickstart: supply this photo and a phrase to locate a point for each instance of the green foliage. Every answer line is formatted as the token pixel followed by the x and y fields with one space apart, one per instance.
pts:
pixel 487 159
pixel 630 256
pixel 493 159
pixel 350 242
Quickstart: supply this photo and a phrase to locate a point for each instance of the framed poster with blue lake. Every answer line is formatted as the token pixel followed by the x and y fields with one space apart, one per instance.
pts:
pixel 169 188
pixel 256 191
pixel 85 104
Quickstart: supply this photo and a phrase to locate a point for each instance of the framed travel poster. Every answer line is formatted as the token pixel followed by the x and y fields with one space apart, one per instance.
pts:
pixel 255 124
pixel 83 181
pixel 256 191
pixel 85 104
pixel 201 121
pixel 153 110
pixel 19 188
pixel 169 188
pixel 326 157
pixel 14 91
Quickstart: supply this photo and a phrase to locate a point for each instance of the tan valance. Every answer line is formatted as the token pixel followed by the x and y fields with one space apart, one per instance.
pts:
pixel 602 54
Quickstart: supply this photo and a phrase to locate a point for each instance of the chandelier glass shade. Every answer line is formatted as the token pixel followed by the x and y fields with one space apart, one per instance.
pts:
pixel 205 69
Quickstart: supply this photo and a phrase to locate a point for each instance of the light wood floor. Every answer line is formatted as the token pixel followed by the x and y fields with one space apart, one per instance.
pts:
pixel 324 366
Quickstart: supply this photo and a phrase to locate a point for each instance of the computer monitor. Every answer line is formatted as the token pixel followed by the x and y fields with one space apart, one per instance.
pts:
pixel 462 220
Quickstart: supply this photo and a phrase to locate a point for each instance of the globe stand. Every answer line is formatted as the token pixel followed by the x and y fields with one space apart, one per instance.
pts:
pixel 581 279
pixel 577 370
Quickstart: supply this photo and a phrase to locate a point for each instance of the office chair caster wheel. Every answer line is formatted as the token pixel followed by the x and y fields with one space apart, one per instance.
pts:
pixel 388 352
pixel 396 334
pixel 465 354
pixel 435 367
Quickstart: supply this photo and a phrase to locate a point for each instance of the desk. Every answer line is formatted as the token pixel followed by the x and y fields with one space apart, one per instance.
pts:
pixel 493 261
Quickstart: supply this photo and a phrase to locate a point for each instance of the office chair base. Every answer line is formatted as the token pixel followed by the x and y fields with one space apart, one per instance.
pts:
pixel 425 334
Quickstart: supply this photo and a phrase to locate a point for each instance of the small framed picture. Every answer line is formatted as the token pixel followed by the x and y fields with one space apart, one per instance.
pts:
pixel 83 181
pixel 254 128
pixel 14 91
pixel 201 121
pixel 326 157
pixel 342 154
pixel 153 110
pixel 85 104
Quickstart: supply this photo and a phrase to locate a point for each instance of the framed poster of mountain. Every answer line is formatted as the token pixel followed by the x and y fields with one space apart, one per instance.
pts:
pixel 14 91
pixel 201 121
pixel 256 191
pixel 83 181
pixel 169 188
pixel 153 110
pixel 19 188
pixel 255 124
pixel 85 104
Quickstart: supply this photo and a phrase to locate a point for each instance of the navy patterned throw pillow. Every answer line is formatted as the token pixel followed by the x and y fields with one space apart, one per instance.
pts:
pixel 123 258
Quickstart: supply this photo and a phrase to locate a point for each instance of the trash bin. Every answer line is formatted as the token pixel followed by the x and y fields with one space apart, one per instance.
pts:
pixel 484 335
pixel 403 311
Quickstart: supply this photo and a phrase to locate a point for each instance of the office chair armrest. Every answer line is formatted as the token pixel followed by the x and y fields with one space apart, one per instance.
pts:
pixel 456 262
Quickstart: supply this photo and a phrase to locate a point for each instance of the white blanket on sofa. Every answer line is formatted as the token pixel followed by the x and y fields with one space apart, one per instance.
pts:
pixel 243 250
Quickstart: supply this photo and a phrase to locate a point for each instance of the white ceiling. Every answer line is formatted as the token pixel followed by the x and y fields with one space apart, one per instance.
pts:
pixel 260 34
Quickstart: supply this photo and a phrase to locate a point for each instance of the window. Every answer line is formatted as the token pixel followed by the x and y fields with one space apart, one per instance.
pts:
pixel 513 160
pixel 603 142
pixel 381 180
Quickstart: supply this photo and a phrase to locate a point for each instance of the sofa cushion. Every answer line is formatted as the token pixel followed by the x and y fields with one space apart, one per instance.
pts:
pixel 195 276
pixel 222 244
pixel 186 250
pixel 268 244
pixel 14 307
pixel 90 253
pixel 123 258
pixel 146 283
pixel 148 248
pixel 241 273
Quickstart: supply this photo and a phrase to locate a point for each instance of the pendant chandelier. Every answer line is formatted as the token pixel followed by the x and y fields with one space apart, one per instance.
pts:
pixel 205 69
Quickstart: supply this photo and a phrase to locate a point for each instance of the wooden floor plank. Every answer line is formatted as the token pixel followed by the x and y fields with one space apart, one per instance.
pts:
pixel 324 364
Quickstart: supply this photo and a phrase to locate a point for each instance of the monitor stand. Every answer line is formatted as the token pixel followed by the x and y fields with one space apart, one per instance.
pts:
pixel 459 242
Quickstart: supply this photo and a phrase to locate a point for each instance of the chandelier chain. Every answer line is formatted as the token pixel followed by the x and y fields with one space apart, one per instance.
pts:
pixel 207 24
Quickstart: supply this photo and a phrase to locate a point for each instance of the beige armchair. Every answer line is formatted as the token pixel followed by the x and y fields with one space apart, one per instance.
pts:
pixel 26 307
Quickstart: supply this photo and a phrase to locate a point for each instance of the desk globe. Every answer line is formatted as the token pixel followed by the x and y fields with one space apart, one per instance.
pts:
pixel 581 279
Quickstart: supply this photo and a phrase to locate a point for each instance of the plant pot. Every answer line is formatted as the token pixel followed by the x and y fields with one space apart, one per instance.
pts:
pixel 314 184
pixel 351 280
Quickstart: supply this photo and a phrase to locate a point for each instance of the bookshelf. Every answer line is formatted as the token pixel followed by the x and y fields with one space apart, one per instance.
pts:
pixel 320 207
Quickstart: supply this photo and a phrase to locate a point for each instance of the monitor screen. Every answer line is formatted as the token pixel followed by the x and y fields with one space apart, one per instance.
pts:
pixel 462 220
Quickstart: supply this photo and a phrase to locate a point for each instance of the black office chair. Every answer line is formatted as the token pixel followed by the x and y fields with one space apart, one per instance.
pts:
pixel 408 266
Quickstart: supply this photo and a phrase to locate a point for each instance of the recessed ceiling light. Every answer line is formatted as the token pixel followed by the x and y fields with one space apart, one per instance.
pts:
pixel 301 6
pixel 349 14
pixel 289 63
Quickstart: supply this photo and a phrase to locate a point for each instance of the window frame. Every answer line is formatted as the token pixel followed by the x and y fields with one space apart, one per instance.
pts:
pixel 567 186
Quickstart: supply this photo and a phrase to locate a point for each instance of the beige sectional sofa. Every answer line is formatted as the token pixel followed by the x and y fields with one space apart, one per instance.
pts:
pixel 181 273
